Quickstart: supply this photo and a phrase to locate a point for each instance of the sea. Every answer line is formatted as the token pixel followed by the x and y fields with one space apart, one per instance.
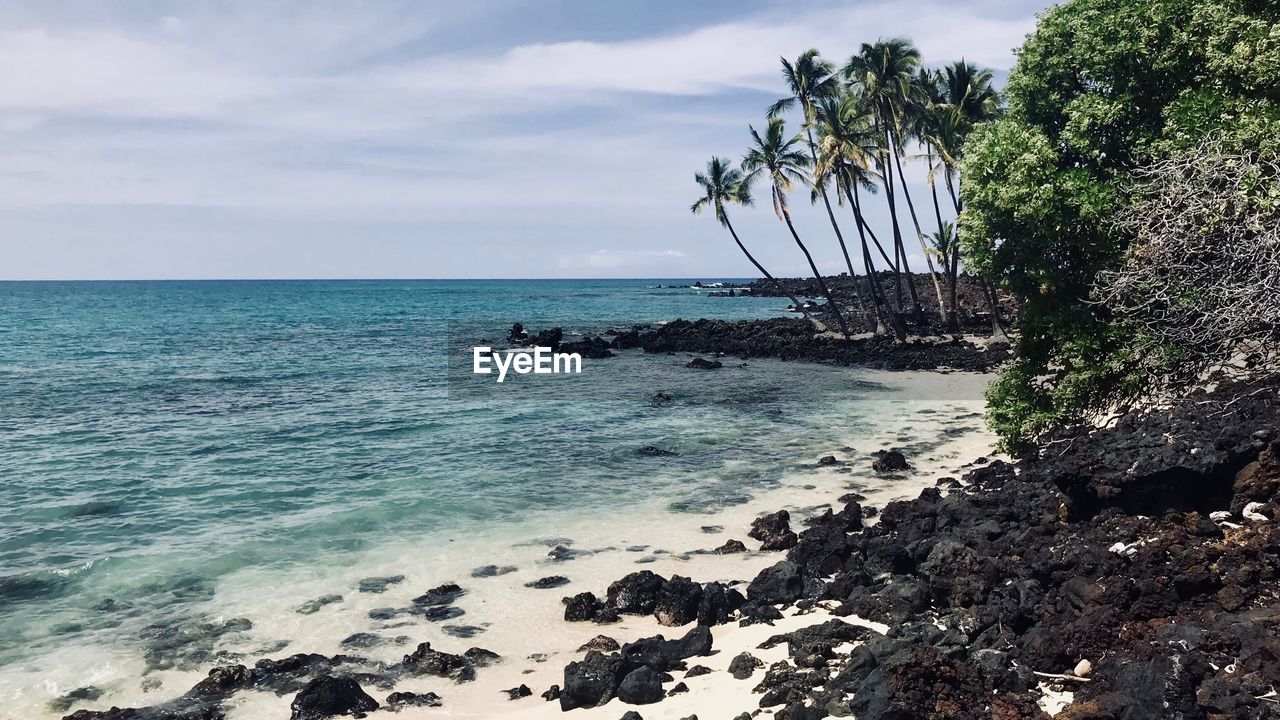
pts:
pixel 187 468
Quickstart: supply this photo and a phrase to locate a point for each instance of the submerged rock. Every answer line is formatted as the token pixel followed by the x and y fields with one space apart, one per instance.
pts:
pixel 442 595
pixel 704 364
pixel 547 583
pixel 65 701
pixel 485 571
pixel 313 606
pixel 379 584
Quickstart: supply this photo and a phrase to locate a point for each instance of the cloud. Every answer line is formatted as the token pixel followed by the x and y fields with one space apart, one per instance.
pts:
pixel 375 111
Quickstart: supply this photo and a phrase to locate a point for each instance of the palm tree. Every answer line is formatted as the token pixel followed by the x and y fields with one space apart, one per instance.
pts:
pixel 812 81
pixel 775 155
pixel 723 184
pixel 918 118
pixel 883 73
pixel 967 98
pixel 846 144
pixel 967 92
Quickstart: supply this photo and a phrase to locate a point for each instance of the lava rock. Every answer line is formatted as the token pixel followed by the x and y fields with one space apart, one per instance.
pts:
pixel 426 661
pixel 636 594
pixel 887 461
pixel 773 531
pixel 398 700
pixel 443 595
pixel 777 584
pixel 592 681
pixel 730 547
pixel 516 693
pixel 743 665
pixel 678 601
pixel 327 696
pixel 641 686
pixel 547 583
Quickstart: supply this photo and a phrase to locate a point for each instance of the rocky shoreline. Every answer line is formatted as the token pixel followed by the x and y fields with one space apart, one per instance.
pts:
pixel 1135 569
pixel 1131 572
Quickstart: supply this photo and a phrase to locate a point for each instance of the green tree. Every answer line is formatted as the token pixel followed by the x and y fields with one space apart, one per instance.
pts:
pixel 776 156
pixel 1101 89
pixel 722 184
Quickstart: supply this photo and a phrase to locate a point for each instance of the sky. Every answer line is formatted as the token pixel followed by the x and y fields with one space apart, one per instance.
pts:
pixel 412 139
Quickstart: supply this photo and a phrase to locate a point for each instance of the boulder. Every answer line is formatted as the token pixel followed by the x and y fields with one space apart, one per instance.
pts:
pixel 777 584
pixel 591 682
pixel 582 607
pixel 887 461
pixel 743 665
pixel 327 696
pixel 636 594
pixel 773 531
pixel 426 661
pixel 678 601
pixel 641 686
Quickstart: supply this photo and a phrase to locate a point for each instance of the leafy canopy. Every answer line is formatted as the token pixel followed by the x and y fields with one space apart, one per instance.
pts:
pixel 1102 88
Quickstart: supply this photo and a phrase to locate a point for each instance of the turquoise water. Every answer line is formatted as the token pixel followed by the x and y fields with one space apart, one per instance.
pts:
pixel 158 435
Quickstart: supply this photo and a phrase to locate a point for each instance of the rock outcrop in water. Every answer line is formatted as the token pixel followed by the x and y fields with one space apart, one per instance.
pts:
pixel 795 339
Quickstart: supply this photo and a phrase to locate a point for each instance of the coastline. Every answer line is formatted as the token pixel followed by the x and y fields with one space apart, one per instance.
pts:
pixel 518 622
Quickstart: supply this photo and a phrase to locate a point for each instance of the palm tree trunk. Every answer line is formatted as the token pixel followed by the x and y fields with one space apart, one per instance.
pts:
pixel 822 285
pixel 949 264
pixel 993 304
pixel 915 221
pixel 777 285
pixel 951 190
pixel 853 277
pixel 901 266
pixel 883 310
pixel 864 226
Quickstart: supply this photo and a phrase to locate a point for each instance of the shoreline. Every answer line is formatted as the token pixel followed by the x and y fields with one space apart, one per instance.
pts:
pixel 805 491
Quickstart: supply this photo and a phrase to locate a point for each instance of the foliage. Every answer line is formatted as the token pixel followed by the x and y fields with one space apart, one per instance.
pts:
pixel 1102 88
pixel 722 184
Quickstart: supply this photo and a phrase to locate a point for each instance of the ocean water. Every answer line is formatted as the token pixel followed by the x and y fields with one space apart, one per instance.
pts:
pixel 177 454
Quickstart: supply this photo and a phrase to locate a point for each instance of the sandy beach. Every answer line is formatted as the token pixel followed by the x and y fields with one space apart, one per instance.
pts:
pixel 526 626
